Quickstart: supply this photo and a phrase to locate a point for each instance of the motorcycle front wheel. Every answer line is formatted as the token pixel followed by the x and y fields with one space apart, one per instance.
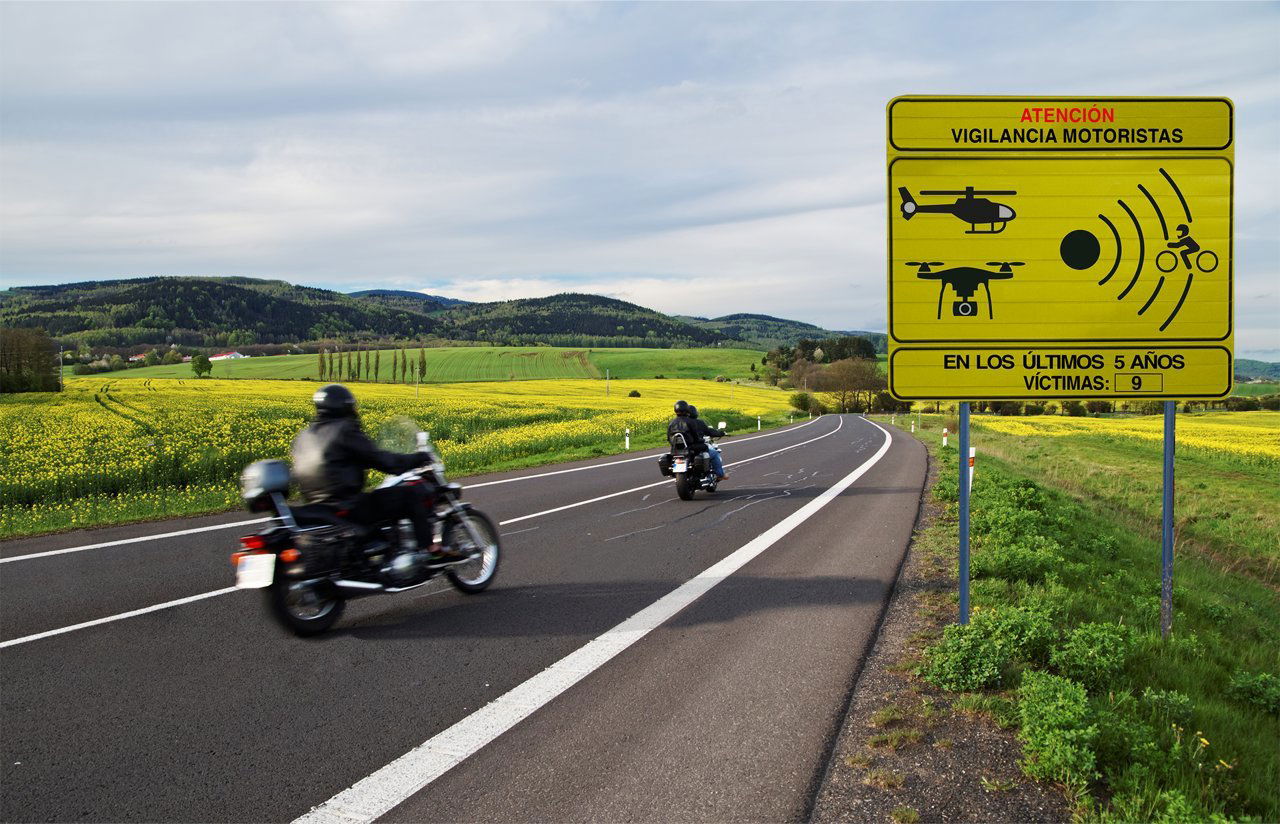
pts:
pixel 301 608
pixel 476 574
pixel 685 486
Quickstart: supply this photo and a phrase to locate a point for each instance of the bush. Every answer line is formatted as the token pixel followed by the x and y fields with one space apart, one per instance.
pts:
pixel 1093 654
pixel 1262 689
pixel 634 393
pixel 967 658
pixel 1057 738
pixel 801 401
pixel 1030 559
pixel 1168 706
pixel 1073 408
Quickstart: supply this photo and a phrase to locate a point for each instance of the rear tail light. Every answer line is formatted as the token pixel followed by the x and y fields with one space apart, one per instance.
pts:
pixel 253 542
pixel 290 555
pixel 236 556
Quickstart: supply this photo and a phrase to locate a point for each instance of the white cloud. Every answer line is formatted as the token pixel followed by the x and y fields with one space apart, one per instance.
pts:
pixel 730 154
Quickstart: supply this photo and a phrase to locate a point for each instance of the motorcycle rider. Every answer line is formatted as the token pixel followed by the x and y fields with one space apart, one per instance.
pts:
pixel 705 431
pixel 692 431
pixel 330 458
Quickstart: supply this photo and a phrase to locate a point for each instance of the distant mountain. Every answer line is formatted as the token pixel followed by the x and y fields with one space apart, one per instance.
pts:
pixel 571 320
pixel 401 298
pixel 768 332
pixel 237 311
pixel 192 311
pixel 1251 369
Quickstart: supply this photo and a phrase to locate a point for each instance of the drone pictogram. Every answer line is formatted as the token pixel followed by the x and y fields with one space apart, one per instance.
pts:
pixel 969 209
pixel 965 280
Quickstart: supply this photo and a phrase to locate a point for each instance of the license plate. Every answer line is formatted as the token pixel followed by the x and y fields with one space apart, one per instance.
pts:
pixel 679 465
pixel 255 571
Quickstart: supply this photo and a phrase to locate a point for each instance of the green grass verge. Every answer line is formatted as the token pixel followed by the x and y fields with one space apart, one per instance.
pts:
pixel 458 364
pixel 1066 622
pixel 1253 390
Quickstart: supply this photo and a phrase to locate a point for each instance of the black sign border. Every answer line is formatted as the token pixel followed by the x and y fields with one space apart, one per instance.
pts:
pixel 1231 120
pixel 1130 396
pixel 1231 270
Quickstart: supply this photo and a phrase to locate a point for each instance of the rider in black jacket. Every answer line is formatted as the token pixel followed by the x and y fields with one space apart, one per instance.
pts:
pixel 705 431
pixel 330 458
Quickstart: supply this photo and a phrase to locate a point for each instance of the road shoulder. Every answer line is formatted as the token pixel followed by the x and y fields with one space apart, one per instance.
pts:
pixel 907 752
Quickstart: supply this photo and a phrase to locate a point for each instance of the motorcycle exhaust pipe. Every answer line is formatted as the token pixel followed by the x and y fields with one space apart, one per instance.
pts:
pixel 358 586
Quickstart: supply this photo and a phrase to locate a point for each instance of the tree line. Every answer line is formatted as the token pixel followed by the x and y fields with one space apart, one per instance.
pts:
pixel 28 361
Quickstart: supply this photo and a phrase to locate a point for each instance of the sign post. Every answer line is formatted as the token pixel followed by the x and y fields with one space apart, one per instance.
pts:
pixel 1066 248
pixel 1166 524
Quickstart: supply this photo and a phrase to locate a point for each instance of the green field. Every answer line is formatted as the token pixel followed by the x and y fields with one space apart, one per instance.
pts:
pixel 1253 390
pixel 1065 643
pixel 494 363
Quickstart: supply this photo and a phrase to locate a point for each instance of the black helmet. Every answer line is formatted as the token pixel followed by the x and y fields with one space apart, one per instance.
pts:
pixel 334 401
pixel 693 411
pixel 682 407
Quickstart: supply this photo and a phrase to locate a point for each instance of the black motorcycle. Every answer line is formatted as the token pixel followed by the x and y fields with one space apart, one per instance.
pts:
pixel 310 561
pixel 691 467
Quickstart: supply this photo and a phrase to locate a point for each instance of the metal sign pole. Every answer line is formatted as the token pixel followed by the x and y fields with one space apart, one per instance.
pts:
pixel 964 512
pixel 1166 531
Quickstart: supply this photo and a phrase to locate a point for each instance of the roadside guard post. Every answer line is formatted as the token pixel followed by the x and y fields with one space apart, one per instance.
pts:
pixel 1071 249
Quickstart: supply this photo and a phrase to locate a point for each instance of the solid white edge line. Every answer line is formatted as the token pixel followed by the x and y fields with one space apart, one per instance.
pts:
pixel 95 622
pixel 139 539
pixel 194 530
pixel 179 602
pixel 626 460
pixel 383 790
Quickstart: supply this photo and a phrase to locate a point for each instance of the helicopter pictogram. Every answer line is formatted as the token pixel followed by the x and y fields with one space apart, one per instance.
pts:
pixel 965 280
pixel 970 209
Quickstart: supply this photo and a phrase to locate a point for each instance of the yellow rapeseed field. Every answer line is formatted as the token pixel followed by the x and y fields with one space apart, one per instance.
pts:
pixel 1253 437
pixel 106 450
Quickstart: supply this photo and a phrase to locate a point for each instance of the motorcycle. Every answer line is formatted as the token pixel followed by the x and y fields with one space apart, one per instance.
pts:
pixel 691 468
pixel 310 561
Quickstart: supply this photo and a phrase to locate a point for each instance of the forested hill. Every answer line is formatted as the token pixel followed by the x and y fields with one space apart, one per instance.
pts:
pixel 769 332
pixel 202 312
pixel 572 319
pixel 244 311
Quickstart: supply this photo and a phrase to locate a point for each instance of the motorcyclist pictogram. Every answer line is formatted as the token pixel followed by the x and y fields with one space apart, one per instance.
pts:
pixel 1206 261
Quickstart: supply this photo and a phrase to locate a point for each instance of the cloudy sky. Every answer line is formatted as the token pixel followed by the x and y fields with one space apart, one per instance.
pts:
pixel 703 158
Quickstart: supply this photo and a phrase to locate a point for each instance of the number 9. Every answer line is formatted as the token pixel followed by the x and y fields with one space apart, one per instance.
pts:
pixel 1137 382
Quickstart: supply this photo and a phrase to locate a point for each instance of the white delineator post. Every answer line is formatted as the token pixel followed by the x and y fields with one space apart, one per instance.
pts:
pixel 627 444
pixel 944 437
pixel 973 452
pixel 757 423
pixel 913 427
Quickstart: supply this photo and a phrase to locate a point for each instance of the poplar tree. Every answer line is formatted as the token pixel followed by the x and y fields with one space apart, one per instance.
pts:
pixel 377 364
pixel 320 355
pixel 422 363
pixel 404 365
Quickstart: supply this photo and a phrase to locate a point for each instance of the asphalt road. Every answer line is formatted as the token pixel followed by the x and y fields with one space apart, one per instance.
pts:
pixel 638 658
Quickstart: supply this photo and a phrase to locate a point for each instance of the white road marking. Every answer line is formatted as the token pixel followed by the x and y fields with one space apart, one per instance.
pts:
pixel 625 460
pixel 194 530
pixel 132 540
pixel 839 426
pixel 95 622
pixel 180 601
pixel 378 793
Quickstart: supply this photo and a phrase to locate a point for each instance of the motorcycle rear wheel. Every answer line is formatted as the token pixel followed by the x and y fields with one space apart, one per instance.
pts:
pixel 475 575
pixel 302 610
pixel 685 486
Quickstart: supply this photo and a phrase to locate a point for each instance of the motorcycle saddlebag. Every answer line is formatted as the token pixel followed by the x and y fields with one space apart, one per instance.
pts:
pixel 324 549
pixel 664 464
pixel 702 463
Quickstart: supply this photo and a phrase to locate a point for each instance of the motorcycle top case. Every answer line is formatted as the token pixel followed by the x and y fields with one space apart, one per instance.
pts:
pixel 664 464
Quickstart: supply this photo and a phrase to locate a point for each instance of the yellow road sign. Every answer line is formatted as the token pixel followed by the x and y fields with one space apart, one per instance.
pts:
pixel 1028 262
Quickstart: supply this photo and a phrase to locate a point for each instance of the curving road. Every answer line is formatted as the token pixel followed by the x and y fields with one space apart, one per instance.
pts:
pixel 638 658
